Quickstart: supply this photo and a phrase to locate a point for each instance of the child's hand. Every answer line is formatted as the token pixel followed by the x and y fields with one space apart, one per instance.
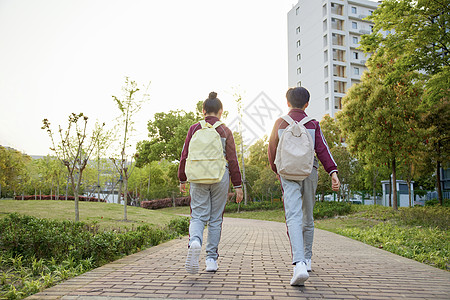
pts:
pixel 239 195
pixel 335 184
pixel 183 187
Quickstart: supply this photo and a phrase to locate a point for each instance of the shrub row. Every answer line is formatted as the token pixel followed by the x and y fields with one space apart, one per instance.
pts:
pixel 48 251
pixel 54 239
pixel 325 209
pixel 58 197
pixel 166 202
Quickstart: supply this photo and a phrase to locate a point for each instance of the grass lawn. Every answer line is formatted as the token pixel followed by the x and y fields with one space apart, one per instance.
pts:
pixel 106 215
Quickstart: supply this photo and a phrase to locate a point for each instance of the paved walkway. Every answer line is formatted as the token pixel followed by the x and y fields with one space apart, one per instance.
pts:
pixel 255 264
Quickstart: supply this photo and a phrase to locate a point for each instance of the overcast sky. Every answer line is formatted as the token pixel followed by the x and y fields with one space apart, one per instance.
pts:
pixel 64 56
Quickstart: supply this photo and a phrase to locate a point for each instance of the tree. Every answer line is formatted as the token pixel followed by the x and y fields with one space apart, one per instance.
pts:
pixel 13 171
pixel 128 106
pixel 380 115
pixel 167 133
pixel 73 148
pixel 419 34
pixel 436 121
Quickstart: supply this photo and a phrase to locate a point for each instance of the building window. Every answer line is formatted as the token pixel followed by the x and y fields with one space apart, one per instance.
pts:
pixel 370 12
pixel 326 87
pixel 325 56
pixel 354 25
pixel 297 10
pixel 327 104
pixel 299 70
pixel 297 30
pixel 325 40
pixel 355 71
pixel 299 57
pixel 299 83
pixel 325 71
pixel 354 10
pixel 298 43
pixel 371 28
pixel 355 55
pixel 337 102
pixel 324 10
pixel 355 40
pixel 325 25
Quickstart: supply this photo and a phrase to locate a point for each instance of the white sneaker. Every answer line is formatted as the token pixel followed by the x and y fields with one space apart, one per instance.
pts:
pixel 192 257
pixel 211 265
pixel 308 265
pixel 300 274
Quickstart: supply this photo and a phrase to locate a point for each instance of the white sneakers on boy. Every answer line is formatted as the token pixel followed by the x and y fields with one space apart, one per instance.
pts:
pixel 308 265
pixel 300 274
pixel 211 265
pixel 192 257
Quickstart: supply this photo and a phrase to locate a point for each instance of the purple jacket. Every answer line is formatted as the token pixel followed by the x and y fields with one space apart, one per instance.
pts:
pixel 229 149
pixel 320 144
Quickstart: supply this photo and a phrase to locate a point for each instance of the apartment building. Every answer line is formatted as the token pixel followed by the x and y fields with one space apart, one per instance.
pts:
pixel 323 36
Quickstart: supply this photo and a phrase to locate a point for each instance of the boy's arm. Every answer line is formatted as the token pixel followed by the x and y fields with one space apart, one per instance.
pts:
pixel 231 156
pixel 273 144
pixel 323 152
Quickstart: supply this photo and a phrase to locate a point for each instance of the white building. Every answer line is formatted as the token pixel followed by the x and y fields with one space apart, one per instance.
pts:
pixel 322 39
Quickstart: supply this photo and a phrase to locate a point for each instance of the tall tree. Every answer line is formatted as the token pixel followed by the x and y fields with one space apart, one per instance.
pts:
pixel 167 133
pixel 380 115
pixel 73 147
pixel 128 106
pixel 419 35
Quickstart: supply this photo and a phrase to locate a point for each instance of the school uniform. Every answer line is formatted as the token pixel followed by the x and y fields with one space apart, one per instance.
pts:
pixel 208 200
pixel 299 196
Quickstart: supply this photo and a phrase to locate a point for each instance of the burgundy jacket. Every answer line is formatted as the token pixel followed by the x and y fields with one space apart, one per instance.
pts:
pixel 229 147
pixel 320 144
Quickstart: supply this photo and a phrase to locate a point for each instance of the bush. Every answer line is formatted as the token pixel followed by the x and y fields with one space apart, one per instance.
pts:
pixel 433 202
pixel 49 251
pixel 432 216
pixel 252 206
pixel 328 209
pixel 166 202
pixel 60 197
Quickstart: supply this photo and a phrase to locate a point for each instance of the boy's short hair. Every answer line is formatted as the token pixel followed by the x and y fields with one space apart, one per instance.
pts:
pixel 297 97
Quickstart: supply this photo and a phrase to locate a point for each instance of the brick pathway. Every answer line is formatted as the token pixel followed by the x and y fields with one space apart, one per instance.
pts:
pixel 255 264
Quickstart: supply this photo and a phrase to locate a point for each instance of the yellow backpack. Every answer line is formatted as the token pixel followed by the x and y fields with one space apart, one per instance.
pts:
pixel 205 162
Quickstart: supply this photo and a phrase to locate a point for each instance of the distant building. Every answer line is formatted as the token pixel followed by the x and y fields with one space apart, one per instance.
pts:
pixel 402 193
pixel 322 39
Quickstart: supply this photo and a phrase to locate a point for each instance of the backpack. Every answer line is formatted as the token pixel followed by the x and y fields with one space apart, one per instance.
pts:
pixel 205 162
pixel 295 153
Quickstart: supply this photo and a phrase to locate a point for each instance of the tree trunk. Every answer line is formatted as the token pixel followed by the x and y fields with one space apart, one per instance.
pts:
pixel 394 189
pixel 125 196
pixel 51 191
pixel 438 182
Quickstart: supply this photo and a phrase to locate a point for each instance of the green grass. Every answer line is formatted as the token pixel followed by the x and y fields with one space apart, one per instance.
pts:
pixel 107 215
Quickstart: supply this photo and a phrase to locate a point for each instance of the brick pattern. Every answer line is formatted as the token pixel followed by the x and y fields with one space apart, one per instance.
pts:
pixel 254 263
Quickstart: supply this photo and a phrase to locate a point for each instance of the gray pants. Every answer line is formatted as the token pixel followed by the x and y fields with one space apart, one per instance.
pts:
pixel 207 206
pixel 299 199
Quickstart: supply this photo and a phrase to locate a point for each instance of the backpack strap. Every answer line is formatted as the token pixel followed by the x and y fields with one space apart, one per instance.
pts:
pixel 288 119
pixel 305 120
pixel 205 124
pixel 217 124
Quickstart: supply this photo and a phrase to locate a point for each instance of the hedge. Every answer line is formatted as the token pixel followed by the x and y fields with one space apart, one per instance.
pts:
pixel 166 202
pixel 60 197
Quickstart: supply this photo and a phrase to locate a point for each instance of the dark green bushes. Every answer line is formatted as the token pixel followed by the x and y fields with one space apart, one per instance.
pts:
pixel 321 209
pixel 48 251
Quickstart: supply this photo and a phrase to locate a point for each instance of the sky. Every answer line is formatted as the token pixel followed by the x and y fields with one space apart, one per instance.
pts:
pixel 62 57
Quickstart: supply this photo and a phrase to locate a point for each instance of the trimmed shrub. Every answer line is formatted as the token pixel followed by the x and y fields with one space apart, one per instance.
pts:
pixel 60 197
pixel 166 202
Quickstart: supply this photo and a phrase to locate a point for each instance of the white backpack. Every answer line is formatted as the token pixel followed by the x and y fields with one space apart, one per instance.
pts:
pixel 295 153
pixel 205 162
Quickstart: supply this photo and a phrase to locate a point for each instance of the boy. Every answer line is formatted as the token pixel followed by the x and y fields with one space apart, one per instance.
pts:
pixel 299 195
pixel 208 200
